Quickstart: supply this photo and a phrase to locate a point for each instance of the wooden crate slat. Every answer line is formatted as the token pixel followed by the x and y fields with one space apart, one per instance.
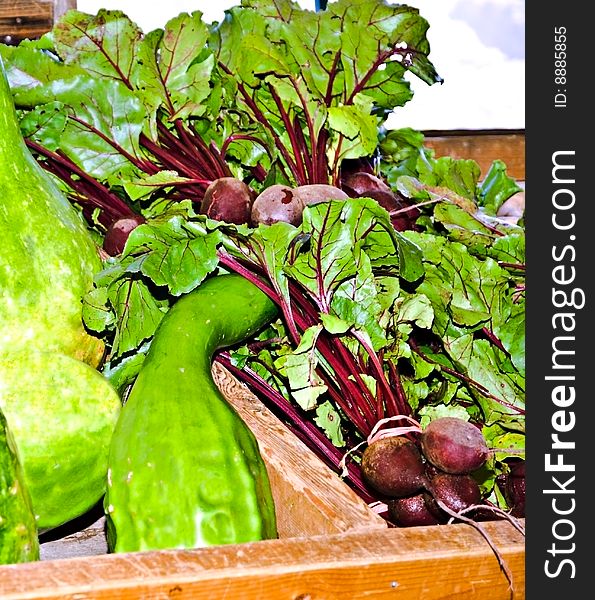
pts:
pixel 427 563
pixel 314 500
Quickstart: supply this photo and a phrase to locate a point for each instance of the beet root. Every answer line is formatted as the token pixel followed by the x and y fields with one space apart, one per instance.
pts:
pixel 277 203
pixel 456 492
pixel 118 232
pixel 228 199
pixel 393 466
pixel 319 192
pixel 514 489
pixel 454 445
pixel 411 511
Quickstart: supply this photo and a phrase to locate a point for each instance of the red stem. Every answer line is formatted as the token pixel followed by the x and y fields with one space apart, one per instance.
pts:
pixel 92 193
pixel 298 151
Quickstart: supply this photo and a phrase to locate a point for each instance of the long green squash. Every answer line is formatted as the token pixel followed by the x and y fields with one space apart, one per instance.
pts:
pixel 60 409
pixel 18 532
pixel 184 469
pixel 48 256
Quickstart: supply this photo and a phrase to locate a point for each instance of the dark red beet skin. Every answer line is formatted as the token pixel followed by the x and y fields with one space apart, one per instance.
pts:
pixel 514 489
pixel 411 511
pixel 454 445
pixel 393 466
pixel 228 199
pixel 457 492
pixel 277 203
pixel 118 232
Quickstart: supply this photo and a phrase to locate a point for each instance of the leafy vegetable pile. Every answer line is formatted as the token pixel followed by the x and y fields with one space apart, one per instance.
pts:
pixel 416 312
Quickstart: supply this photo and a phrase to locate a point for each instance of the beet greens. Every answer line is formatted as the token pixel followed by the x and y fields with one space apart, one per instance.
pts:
pixel 416 312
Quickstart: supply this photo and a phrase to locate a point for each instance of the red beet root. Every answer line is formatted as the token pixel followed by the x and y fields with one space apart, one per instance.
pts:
pixel 277 203
pixel 454 445
pixel 393 466
pixel 411 511
pixel 228 199
pixel 118 232
pixel 366 185
pixel 514 489
pixel 457 492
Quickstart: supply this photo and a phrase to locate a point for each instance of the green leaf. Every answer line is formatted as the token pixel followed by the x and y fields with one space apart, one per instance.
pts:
pixel 45 123
pixel 168 255
pixel 329 420
pixel 174 69
pixel 458 175
pixel 496 188
pixel 438 411
pixel 144 186
pixel 340 233
pixel 104 45
pixel 299 367
pixel 482 363
pixel 122 373
pixel 416 309
pixel 334 324
pixel 97 314
pixel 138 314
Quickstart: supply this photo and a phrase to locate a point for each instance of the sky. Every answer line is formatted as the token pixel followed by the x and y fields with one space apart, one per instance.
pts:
pixel 477 46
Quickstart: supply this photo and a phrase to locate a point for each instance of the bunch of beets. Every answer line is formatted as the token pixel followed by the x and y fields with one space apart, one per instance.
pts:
pixel 430 480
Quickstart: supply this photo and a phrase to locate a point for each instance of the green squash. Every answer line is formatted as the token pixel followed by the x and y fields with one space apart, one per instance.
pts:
pixel 48 256
pixel 18 532
pixel 59 407
pixel 184 469
pixel 62 413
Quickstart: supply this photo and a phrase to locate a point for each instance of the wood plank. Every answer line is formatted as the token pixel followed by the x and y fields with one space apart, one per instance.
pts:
pixel 418 563
pixel 483 147
pixel 20 19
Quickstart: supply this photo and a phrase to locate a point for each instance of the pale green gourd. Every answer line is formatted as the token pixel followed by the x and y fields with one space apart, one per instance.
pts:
pixel 60 409
pixel 48 256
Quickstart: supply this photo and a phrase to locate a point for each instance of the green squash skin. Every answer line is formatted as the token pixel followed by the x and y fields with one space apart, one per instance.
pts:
pixel 184 469
pixel 18 531
pixel 62 413
pixel 48 256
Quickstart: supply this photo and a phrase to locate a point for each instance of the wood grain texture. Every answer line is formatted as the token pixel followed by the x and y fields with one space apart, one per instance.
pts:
pixel 420 563
pixel 20 19
pixel 483 147
pixel 333 547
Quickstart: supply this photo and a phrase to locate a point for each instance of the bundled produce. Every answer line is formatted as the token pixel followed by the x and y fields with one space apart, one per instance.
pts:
pixel 256 146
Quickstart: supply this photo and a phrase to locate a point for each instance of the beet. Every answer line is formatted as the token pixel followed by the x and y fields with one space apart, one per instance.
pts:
pixel 411 511
pixel 393 466
pixel 366 185
pixel 118 232
pixel 277 203
pixel 319 192
pixel 514 488
pixel 457 492
pixel 228 199
pixel 454 445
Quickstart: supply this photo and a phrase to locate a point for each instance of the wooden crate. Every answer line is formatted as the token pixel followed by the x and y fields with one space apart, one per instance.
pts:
pixel 482 146
pixel 29 19
pixel 331 546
